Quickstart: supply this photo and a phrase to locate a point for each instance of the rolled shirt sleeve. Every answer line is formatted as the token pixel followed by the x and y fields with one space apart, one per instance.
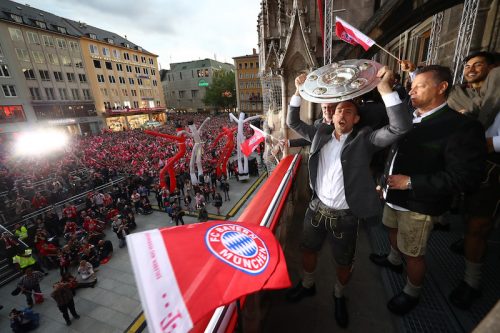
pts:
pixel 295 101
pixel 389 99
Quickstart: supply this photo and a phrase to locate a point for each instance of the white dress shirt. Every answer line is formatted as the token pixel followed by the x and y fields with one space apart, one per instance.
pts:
pixel 330 177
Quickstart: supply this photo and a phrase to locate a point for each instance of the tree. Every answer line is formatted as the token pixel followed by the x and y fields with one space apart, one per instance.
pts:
pixel 221 94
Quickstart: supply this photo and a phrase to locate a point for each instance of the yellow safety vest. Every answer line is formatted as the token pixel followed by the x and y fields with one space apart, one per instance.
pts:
pixel 23 261
pixel 21 233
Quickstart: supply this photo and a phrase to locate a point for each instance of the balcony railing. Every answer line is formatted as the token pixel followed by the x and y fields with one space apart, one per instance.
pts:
pixel 273 195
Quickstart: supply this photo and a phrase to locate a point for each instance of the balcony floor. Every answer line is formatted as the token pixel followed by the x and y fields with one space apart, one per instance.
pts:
pixel 371 287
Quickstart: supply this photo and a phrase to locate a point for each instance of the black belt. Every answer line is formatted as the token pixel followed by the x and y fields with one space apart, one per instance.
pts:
pixel 330 212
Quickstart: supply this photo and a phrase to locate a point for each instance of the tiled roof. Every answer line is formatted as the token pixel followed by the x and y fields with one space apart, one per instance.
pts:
pixel 30 15
pixel 203 63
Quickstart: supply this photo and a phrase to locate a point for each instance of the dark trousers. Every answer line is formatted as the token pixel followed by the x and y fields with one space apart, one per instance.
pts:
pixel 64 310
pixel 29 295
pixel 178 219
pixel 63 270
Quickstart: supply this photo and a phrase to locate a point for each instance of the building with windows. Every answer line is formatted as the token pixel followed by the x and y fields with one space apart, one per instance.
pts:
pixel 248 85
pixel 124 79
pixel 59 72
pixel 163 78
pixel 43 78
pixel 186 82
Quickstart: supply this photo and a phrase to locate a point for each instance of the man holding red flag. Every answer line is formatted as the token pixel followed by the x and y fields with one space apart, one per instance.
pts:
pixel 216 262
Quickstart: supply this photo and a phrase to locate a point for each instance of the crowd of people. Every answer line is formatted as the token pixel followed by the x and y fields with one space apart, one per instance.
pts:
pixel 31 183
pixel 135 152
pixel 74 241
pixel 75 244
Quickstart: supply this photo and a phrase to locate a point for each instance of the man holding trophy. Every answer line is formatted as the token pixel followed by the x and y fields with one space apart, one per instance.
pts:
pixel 340 178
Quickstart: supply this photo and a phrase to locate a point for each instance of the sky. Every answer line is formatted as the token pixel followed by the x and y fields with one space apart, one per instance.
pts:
pixel 175 30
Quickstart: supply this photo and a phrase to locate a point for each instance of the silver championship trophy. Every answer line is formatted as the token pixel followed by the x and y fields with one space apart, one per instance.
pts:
pixel 340 81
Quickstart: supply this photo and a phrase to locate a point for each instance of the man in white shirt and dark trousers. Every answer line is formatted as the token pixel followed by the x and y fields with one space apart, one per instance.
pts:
pixel 343 188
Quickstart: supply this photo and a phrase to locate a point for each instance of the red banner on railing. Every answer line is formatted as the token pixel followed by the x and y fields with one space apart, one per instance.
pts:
pixel 185 272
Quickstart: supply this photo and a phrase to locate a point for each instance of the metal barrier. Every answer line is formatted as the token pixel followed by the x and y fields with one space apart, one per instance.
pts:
pixel 58 207
pixel 35 185
pixel 18 239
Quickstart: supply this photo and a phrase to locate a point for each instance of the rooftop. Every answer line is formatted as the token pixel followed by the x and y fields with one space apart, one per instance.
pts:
pixel 29 16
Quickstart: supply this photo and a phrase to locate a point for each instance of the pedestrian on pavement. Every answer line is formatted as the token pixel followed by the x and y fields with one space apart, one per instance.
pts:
pixel 218 202
pixel 25 259
pixel 225 189
pixel 188 202
pixel 121 229
pixel 63 296
pixel 200 200
pixel 177 214
pixel 29 285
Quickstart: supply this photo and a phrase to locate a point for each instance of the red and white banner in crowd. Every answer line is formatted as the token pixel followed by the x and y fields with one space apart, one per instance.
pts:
pixel 185 272
pixel 249 145
pixel 351 35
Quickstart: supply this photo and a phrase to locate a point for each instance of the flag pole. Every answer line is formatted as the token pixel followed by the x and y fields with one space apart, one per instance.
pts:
pixel 389 53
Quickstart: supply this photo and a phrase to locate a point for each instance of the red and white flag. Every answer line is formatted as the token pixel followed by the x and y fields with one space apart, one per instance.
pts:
pixel 185 272
pixel 250 144
pixel 351 35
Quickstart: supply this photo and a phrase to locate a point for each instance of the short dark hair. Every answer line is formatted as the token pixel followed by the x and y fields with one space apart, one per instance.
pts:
pixel 441 74
pixel 488 56
pixel 356 106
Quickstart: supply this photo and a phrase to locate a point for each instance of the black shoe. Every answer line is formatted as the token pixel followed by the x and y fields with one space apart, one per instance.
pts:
pixel 77 316
pixel 464 295
pixel 441 227
pixel 457 247
pixel 381 260
pixel 341 315
pixel 298 292
pixel 402 303
pixel 68 322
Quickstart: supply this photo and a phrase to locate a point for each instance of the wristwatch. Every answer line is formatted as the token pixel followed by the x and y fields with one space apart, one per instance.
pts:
pixel 408 183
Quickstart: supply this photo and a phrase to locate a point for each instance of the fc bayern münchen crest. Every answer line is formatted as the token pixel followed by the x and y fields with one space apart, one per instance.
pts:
pixel 238 247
